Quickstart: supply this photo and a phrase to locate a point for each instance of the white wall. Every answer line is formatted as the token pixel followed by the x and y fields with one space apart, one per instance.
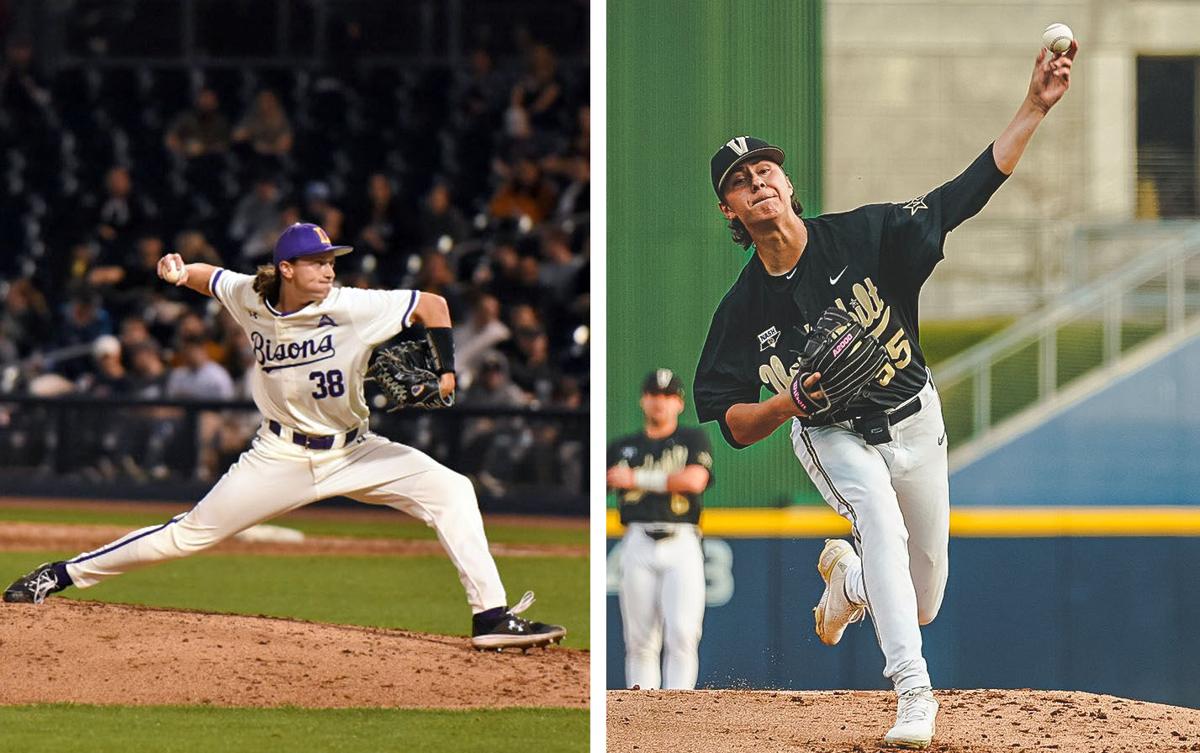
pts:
pixel 915 89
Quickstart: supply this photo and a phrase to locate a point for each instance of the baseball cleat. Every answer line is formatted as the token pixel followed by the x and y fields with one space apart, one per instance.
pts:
pixel 835 610
pixel 34 587
pixel 915 712
pixel 516 632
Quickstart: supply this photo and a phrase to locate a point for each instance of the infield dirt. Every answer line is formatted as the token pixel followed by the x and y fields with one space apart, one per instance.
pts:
pixel 969 721
pixel 89 652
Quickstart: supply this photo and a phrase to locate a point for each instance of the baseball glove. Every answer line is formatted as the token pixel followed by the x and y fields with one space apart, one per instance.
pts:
pixel 847 357
pixel 405 374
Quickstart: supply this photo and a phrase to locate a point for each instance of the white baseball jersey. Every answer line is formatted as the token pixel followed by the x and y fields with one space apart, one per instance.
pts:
pixel 306 357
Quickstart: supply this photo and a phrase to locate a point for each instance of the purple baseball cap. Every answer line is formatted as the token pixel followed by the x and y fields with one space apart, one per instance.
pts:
pixel 305 239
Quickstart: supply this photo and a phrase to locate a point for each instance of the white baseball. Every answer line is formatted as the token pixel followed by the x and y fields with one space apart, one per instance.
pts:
pixel 1057 38
pixel 173 272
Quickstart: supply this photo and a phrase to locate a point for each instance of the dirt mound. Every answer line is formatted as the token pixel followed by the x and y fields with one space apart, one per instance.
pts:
pixel 969 721
pixel 88 652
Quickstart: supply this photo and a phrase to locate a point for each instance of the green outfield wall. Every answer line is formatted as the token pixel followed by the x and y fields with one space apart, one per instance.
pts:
pixel 683 78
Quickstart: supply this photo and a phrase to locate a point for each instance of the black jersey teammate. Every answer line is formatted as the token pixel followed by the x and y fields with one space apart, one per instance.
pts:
pixel 872 262
pixel 659 474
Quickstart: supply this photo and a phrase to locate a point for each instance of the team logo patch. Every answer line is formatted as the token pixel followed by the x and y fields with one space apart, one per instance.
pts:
pixel 768 339
pixel 738 145
pixel 916 204
pixel 326 321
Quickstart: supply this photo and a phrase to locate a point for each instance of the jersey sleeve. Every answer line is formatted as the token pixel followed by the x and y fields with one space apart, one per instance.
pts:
pixel 700 452
pixel 379 315
pixel 720 381
pixel 915 231
pixel 235 291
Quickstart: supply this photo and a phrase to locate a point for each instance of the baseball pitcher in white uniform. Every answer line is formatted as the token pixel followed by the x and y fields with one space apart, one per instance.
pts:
pixel 312 343
pixel 659 475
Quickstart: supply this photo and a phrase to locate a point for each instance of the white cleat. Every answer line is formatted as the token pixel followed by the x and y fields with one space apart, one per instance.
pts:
pixel 835 611
pixel 915 712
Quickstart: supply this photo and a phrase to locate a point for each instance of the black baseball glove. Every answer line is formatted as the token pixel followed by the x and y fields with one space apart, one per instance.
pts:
pixel 847 357
pixel 406 374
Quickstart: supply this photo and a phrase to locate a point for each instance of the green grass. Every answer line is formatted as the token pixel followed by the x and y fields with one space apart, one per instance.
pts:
pixel 167 729
pixel 404 527
pixel 413 593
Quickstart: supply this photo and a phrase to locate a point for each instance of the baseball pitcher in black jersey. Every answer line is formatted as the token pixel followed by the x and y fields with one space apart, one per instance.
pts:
pixel 892 487
pixel 659 474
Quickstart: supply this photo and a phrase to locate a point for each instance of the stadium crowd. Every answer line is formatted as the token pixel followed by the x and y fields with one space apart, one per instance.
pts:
pixel 470 182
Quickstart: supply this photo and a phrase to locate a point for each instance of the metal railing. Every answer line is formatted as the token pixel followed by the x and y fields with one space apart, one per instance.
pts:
pixel 1088 329
pixel 520 459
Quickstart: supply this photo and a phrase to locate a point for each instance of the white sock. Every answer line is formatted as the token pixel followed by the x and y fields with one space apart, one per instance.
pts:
pixel 855 591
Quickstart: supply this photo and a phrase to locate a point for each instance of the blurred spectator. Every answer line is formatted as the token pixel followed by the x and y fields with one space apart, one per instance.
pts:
pixel 134 335
pixel 265 126
pixel 442 224
pixel 139 278
pixel 436 276
pixel 561 267
pixel 382 227
pixel 495 444
pixel 533 370
pixel 200 378
pixel 26 317
pixel 121 213
pixel 318 206
pixel 107 378
pixel 200 131
pixel 194 247
pixel 22 96
pixel 480 333
pixel 526 193
pixel 153 428
pixel 83 319
pixel 539 93
pixel 255 217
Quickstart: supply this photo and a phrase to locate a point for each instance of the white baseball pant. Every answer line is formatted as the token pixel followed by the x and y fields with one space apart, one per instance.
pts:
pixel 275 476
pixel 662 606
pixel 896 497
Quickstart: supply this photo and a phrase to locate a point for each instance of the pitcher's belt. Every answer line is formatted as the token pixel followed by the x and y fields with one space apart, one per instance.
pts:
pixel 309 441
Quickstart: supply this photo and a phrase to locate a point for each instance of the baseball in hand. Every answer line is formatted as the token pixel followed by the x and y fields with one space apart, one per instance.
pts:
pixel 1057 38
pixel 173 272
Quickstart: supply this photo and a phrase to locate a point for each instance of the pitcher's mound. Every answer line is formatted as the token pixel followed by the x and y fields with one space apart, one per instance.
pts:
pixel 89 652
pixel 974 721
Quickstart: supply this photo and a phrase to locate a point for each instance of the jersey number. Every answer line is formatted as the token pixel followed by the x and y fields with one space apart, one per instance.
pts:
pixel 329 384
pixel 900 351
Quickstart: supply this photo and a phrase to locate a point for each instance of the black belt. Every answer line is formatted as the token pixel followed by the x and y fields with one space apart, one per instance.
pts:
pixel 895 417
pixel 310 442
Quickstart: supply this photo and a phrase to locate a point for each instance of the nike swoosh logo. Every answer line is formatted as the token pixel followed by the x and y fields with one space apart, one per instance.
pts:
pixel 942 438
pixel 833 280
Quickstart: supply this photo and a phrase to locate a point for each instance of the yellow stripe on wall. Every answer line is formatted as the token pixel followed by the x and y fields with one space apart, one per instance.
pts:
pixel 991 522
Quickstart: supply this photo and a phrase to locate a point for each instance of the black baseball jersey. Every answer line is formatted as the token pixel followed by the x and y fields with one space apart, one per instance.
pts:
pixel 687 446
pixel 870 261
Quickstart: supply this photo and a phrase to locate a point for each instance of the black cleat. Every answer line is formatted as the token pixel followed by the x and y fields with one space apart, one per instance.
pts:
pixel 46 579
pixel 515 632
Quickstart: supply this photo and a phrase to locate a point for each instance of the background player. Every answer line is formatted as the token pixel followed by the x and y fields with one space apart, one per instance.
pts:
pixel 659 474
pixel 894 489
pixel 312 342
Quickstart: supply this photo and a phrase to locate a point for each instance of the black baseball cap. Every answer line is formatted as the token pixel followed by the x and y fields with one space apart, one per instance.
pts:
pixel 736 151
pixel 662 382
